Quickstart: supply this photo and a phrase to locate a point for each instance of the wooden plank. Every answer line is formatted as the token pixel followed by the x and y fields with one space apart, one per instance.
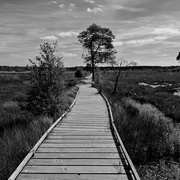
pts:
pixel 79 137
pixel 69 133
pixel 86 121
pixel 106 129
pixel 83 127
pixel 93 115
pixel 94 120
pixel 72 176
pixel 94 123
pixel 88 109
pixel 84 117
pixel 93 110
pixel 80 162
pixel 73 150
pixel 76 155
pixel 103 127
pixel 82 124
pixel 74 169
pixel 77 145
pixel 79 141
pixel 78 129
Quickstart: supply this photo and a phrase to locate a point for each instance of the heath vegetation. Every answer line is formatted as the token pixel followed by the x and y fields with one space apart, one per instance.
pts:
pixel 147 119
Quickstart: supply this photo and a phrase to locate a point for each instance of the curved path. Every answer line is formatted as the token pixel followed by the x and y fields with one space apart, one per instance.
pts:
pixel 80 147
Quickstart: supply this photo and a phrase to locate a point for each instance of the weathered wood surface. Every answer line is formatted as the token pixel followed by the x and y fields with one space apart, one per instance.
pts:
pixel 80 147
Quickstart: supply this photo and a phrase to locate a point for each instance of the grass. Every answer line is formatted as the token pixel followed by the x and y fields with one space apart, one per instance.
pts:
pixel 17 141
pixel 17 125
pixel 161 97
pixel 150 136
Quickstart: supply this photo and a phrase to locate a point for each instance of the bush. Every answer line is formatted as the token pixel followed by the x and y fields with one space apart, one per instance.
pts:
pixel 78 73
pixel 46 83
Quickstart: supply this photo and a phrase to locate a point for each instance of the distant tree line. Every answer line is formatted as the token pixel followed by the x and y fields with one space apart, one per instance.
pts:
pixel 15 68
pixel 139 68
pixel 28 68
pixel 88 68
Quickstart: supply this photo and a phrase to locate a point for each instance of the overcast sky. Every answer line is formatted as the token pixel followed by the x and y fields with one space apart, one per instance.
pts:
pixel 147 31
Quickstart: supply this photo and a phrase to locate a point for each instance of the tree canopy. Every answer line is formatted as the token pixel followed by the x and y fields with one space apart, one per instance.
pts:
pixel 97 44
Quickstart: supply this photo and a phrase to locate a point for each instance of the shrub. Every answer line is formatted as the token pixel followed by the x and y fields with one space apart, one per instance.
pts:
pixel 46 82
pixel 78 73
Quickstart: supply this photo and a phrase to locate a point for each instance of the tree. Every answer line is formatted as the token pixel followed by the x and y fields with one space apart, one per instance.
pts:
pixel 118 64
pixel 97 44
pixel 46 81
pixel 78 73
pixel 178 57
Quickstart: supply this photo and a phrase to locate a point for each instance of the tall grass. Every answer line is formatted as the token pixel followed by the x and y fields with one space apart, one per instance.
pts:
pixel 16 142
pixel 151 139
pixel 17 125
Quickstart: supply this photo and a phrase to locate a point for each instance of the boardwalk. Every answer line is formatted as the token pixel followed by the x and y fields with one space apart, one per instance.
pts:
pixel 80 147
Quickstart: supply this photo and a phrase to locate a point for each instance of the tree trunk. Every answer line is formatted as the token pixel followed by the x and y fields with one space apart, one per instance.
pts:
pixel 115 86
pixel 116 83
pixel 93 68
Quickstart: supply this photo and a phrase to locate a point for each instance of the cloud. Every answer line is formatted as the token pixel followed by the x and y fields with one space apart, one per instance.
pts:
pixel 49 37
pixel 166 31
pixel 3 46
pixel 68 33
pixel 52 2
pixel 72 5
pixel 35 32
pixel 119 7
pixel 160 38
pixel 61 5
pixel 94 10
pixel 65 54
pixel 90 1
pixel 153 40
pixel 141 41
pixel 118 43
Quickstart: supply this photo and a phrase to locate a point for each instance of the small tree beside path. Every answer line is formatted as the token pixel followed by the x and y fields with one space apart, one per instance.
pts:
pixel 117 68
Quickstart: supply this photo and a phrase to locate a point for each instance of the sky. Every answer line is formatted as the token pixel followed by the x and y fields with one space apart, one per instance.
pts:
pixel 146 31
